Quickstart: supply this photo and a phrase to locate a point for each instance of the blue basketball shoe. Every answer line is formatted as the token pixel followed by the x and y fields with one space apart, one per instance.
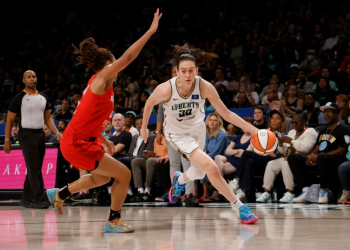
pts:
pixel 56 202
pixel 176 188
pixel 247 217
pixel 118 226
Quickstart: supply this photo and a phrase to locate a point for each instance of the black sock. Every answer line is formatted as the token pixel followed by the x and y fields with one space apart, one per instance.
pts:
pixel 64 193
pixel 114 214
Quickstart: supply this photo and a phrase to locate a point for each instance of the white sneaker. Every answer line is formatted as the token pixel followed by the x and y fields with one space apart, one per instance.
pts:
pixel 287 197
pixel 234 185
pixel 302 197
pixel 265 197
pixel 241 196
pixel 323 197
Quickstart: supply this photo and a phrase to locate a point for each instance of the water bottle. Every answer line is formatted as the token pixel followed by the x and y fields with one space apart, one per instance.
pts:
pixel 274 196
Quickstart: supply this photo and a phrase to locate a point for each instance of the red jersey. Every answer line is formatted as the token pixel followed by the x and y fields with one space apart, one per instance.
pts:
pixel 92 113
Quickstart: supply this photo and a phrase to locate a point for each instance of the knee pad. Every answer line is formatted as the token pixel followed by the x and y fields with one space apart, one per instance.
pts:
pixel 195 173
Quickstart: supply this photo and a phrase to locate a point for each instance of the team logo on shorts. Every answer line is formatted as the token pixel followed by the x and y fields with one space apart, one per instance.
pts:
pixel 322 146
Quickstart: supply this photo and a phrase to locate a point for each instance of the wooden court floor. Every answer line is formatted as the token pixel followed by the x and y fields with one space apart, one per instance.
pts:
pixel 210 226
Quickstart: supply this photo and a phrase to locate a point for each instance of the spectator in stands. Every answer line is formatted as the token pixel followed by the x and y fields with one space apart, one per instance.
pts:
pixel 223 94
pixel 134 92
pixel 229 161
pixel 342 102
pixel 137 146
pixel 74 101
pixel 65 111
pixel 107 131
pixel 220 77
pixel 310 65
pixel 148 164
pixel 314 114
pixel 304 85
pixel 323 92
pixel 253 164
pixel 272 95
pixel 208 106
pixel 143 98
pixel 242 101
pixel 300 140
pixel 3 117
pixel 120 138
pixel 61 125
pixel 129 123
pixel 246 86
pixel 328 153
pixel 259 117
pixel 274 83
pixel 280 108
pixel 152 85
pixel 120 100
pixel 14 134
pixel 344 173
pixel 344 82
pixel 49 137
pixel 215 144
pixel 326 73
pixel 293 71
pixel 292 101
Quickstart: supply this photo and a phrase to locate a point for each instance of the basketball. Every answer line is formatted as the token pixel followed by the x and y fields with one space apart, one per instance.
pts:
pixel 263 142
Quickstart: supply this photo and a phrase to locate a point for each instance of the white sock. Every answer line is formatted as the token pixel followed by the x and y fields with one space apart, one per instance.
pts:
pixel 140 190
pixel 181 179
pixel 237 204
pixel 130 191
pixel 148 190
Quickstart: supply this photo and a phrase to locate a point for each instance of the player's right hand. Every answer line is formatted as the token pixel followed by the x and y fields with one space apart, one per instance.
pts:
pixel 156 18
pixel 7 147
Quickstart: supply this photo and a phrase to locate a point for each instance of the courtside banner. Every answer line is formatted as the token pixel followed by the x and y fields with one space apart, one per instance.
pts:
pixel 13 169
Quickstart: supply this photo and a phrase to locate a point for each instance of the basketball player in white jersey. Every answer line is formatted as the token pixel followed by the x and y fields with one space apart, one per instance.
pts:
pixel 183 99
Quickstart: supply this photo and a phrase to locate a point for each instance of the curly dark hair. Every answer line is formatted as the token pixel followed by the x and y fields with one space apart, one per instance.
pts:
pixel 91 55
pixel 198 56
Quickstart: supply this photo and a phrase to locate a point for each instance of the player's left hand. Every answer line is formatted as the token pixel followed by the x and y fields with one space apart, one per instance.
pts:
pixel 144 134
pixel 109 147
pixel 58 136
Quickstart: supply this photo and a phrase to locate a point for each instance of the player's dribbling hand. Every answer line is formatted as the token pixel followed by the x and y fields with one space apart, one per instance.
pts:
pixel 7 147
pixel 154 25
pixel 144 134
pixel 58 136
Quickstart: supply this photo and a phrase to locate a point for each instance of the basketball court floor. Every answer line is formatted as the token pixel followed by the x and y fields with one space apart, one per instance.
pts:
pixel 210 226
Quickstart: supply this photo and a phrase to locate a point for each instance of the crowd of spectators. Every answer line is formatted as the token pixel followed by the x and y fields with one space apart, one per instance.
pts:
pixel 279 55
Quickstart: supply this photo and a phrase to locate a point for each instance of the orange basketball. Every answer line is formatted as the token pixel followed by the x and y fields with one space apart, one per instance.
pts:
pixel 264 142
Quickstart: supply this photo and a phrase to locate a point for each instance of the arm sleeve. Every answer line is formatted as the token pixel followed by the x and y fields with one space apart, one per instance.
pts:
pixel 160 116
pixel 48 104
pixel 15 104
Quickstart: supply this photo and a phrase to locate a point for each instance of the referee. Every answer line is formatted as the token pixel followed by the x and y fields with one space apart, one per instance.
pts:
pixel 33 111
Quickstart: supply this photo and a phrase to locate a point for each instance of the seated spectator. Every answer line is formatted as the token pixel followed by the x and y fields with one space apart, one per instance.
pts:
pixel 74 101
pixel 242 101
pixel 323 92
pixel 215 144
pixel 300 140
pixel 61 125
pixel 137 146
pixel 49 137
pixel 107 131
pixel 259 116
pixel 324 160
pixel 253 164
pixel 292 101
pixel 120 100
pixel 14 134
pixel 344 176
pixel 148 164
pixel 304 85
pixel 208 106
pixel 314 114
pixel 121 138
pixel 310 65
pixel 246 86
pixel 223 94
pixel 229 161
pixel 342 102
pixel 3 117
pixel 143 98
pixel 134 91
pixel 272 95
pixel 220 78
pixel 65 111
pixel 326 73
pixel 129 123
pixel 287 120
pixel 274 83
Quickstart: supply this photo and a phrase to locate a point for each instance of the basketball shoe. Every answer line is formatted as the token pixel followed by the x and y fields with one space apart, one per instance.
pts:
pixel 247 217
pixel 176 188
pixel 118 226
pixel 54 199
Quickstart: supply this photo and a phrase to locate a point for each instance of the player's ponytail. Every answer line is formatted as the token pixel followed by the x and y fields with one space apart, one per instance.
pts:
pixel 185 53
pixel 90 54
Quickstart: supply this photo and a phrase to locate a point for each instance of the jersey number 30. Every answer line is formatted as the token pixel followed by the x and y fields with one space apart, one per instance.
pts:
pixel 186 112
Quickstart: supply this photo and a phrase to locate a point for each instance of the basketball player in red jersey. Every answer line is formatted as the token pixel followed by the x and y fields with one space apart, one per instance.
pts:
pixel 82 141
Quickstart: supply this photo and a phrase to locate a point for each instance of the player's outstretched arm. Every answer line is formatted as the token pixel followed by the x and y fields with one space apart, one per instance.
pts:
pixel 210 92
pixel 161 93
pixel 132 52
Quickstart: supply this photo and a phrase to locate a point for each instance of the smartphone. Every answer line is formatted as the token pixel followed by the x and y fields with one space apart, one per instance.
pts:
pixel 278 134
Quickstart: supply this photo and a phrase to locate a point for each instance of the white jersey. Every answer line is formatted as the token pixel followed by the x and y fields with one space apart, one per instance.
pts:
pixel 183 114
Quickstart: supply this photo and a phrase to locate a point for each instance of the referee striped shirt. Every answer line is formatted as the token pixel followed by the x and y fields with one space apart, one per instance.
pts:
pixel 30 109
